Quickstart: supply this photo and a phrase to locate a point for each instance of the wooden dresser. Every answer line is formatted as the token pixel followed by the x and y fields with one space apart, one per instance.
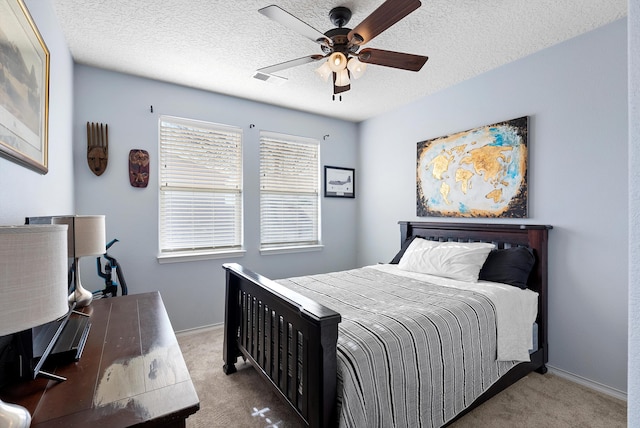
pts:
pixel 131 373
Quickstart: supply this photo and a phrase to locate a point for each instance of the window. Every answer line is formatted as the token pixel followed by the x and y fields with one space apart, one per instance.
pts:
pixel 200 189
pixel 289 192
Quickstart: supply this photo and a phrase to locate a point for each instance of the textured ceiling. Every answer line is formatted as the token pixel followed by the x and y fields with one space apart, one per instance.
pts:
pixel 217 45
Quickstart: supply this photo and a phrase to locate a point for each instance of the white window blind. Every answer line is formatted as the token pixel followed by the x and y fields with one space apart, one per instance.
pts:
pixel 289 191
pixel 200 186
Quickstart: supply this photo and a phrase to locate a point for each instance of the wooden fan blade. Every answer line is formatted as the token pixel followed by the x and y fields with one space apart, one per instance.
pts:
pixel 387 14
pixel 285 18
pixel 289 64
pixel 403 61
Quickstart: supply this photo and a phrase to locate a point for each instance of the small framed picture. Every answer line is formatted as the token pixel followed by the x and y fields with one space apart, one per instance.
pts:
pixel 339 182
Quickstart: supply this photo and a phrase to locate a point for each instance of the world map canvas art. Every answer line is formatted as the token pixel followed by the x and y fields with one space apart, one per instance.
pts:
pixel 481 172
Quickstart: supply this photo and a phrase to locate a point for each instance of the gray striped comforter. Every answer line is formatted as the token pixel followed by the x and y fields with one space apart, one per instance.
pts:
pixel 410 353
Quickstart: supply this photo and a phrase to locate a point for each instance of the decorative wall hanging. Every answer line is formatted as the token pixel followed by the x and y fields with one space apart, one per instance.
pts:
pixel 24 88
pixel 138 168
pixel 339 182
pixel 477 173
pixel 97 147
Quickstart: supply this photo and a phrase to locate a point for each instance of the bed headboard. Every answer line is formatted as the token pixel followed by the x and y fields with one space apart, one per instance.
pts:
pixel 503 236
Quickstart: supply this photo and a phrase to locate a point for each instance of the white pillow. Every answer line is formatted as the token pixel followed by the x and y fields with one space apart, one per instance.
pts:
pixel 457 260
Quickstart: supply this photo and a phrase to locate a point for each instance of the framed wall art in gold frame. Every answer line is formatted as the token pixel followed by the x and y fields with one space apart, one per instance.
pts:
pixel 24 88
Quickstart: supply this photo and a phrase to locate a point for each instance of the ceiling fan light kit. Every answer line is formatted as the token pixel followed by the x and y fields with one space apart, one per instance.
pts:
pixel 337 62
pixel 340 45
pixel 356 67
pixel 324 71
pixel 342 78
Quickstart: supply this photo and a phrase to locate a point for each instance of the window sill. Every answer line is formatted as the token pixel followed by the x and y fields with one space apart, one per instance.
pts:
pixel 289 250
pixel 197 256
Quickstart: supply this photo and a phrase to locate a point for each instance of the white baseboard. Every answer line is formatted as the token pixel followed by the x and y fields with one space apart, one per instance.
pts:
pixel 621 395
pixel 196 330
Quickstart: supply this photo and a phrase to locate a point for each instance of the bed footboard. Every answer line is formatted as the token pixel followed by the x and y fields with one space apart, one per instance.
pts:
pixel 289 339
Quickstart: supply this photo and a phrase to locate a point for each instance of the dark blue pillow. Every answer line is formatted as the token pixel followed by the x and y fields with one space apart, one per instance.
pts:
pixel 509 266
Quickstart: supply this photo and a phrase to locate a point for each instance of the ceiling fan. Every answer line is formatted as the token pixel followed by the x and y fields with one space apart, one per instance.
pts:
pixel 341 46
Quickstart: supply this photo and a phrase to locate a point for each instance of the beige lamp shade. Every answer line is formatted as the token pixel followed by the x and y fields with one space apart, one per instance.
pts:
pixel 86 238
pixel 337 62
pixel 33 276
pixel 342 78
pixel 86 234
pixel 324 71
pixel 356 67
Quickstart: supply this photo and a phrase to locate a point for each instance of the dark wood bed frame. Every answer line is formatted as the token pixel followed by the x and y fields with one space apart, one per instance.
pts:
pixel 291 340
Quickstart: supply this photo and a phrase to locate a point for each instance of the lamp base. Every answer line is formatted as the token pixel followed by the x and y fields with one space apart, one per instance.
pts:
pixel 14 416
pixel 81 297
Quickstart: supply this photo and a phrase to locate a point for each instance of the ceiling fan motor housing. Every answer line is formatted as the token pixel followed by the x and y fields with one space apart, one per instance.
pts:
pixel 340 16
pixel 340 39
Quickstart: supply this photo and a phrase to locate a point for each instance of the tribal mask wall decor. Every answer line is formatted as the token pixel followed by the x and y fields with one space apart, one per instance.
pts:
pixel 97 147
pixel 139 168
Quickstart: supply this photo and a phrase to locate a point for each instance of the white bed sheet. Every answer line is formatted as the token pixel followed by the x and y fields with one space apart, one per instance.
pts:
pixel 516 310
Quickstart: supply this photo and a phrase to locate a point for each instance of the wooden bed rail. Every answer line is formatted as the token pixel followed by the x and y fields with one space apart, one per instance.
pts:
pixel 288 338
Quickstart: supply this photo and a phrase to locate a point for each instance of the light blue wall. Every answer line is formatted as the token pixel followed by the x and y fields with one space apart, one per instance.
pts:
pixel 24 192
pixel 576 97
pixel 194 291
pixel 633 419
pixel 543 86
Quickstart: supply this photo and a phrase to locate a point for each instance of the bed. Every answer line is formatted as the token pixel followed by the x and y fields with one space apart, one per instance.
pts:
pixel 293 340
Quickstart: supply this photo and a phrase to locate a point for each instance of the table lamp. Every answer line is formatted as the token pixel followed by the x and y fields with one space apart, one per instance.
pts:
pixel 86 237
pixel 33 288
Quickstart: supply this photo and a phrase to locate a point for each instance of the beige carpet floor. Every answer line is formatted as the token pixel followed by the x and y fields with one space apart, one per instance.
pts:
pixel 244 400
